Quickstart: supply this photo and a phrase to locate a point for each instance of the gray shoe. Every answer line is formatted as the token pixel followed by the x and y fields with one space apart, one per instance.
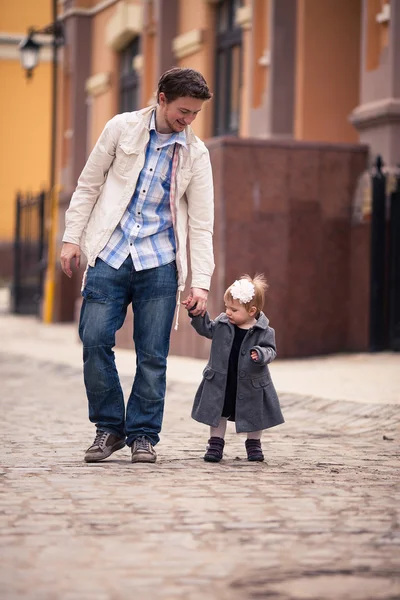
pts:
pixel 143 451
pixel 103 446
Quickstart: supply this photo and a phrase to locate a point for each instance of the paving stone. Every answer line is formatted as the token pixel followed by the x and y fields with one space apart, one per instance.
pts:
pixel 318 520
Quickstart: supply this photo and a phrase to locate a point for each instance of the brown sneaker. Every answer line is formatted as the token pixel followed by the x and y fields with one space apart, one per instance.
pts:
pixel 103 446
pixel 143 451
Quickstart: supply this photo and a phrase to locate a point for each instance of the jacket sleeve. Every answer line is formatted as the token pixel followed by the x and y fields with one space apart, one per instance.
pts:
pixel 200 199
pixel 204 325
pixel 266 350
pixel 91 181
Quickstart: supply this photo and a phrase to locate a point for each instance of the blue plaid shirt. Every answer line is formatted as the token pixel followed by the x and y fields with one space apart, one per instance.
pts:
pixel 146 231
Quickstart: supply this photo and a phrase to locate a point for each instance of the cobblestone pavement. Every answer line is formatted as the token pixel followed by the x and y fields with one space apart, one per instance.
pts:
pixel 318 520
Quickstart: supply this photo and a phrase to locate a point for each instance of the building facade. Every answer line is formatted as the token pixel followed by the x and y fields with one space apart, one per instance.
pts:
pixel 307 85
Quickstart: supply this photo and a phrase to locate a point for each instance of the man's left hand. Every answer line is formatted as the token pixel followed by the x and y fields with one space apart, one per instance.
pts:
pixel 198 298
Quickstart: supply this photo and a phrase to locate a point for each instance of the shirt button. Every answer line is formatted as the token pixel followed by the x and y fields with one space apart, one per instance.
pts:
pixel 131 244
pixel 139 212
pixel 144 191
pixel 151 169
pixel 158 149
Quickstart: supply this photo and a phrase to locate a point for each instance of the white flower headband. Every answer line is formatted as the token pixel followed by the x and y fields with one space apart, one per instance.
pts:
pixel 242 290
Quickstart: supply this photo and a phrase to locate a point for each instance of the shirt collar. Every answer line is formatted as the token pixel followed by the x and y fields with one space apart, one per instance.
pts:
pixel 176 138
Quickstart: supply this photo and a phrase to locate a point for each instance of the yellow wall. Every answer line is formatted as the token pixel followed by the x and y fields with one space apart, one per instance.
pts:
pixel 17 15
pixel 24 114
pixel 328 67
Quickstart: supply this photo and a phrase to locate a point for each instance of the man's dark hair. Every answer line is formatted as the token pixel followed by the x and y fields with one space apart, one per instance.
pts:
pixel 177 83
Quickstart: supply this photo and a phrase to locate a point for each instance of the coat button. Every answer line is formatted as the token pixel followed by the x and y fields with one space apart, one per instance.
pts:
pixel 242 373
pixel 243 352
pixel 241 396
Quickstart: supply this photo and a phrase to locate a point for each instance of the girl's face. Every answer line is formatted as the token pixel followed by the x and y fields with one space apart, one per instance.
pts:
pixel 239 315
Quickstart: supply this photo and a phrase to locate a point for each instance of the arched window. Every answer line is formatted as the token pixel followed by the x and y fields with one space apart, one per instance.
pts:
pixel 228 68
pixel 128 78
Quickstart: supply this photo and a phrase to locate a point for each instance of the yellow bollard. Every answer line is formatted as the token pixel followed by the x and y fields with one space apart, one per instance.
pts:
pixel 49 286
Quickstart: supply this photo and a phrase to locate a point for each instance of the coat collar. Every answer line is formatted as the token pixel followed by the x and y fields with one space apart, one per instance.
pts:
pixel 262 321
pixel 145 114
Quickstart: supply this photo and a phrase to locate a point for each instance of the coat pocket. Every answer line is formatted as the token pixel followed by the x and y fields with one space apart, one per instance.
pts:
pixel 261 382
pixel 125 158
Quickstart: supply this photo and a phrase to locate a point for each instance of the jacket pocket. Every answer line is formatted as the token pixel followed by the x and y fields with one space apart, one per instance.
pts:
pixel 261 381
pixel 94 296
pixel 125 158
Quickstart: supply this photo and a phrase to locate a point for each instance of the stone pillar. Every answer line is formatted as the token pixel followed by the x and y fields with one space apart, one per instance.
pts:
pixel 377 118
pixel 282 73
pixel 166 19
pixel 275 117
pixel 76 70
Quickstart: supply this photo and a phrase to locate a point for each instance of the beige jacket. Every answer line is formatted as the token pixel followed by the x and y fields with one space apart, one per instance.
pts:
pixel 108 181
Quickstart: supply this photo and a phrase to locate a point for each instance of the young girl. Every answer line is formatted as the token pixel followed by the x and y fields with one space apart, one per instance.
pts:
pixel 236 383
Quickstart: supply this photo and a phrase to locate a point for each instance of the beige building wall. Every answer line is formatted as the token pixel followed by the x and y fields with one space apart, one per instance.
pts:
pixel 102 105
pixel 328 69
pixel 194 49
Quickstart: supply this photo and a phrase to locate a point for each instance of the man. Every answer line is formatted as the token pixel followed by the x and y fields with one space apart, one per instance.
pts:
pixel 146 185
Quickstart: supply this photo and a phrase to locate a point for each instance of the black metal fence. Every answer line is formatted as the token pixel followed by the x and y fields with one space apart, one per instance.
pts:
pixel 385 262
pixel 30 251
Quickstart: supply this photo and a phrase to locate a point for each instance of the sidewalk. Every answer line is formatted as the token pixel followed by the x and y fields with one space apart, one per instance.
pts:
pixel 372 378
pixel 317 521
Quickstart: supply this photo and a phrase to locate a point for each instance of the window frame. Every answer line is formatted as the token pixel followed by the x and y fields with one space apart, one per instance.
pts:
pixel 129 79
pixel 225 43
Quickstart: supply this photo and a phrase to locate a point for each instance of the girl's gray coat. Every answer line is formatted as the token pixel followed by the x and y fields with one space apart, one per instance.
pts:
pixel 257 404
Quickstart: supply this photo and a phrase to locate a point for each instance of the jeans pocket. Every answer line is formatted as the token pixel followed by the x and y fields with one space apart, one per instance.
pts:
pixel 90 295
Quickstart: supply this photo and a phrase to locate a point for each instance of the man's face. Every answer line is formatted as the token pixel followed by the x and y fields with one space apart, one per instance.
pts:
pixel 179 113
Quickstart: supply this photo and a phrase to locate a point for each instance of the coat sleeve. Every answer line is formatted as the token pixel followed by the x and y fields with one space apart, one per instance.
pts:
pixel 91 181
pixel 204 325
pixel 266 349
pixel 200 199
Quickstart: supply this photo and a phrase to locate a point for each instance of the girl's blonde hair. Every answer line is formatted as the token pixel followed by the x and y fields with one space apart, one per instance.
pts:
pixel 260 288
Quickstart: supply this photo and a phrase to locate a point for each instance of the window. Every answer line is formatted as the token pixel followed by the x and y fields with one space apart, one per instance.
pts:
pixel 228 69
pixel 128 78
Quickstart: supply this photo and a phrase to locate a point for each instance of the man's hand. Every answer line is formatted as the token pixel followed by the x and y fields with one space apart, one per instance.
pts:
pixel 68 252
pixel 198 298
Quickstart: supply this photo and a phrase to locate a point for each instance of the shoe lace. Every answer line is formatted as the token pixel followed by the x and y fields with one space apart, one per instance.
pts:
pixel 142 443
pixel 100 439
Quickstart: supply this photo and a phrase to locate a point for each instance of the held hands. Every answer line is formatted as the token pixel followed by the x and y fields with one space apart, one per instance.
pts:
pixel 68 252
pixel 196 302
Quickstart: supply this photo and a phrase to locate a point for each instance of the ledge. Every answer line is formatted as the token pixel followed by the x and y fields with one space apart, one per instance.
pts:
pixel 125 25
pixel 187 43
pixel 137 63
pixel 265 59
pixel 98 84
pixel 373 113
pixel 244 17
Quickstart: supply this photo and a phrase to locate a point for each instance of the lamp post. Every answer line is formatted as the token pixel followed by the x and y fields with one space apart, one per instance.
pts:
pixel 29 55
pixel 29 49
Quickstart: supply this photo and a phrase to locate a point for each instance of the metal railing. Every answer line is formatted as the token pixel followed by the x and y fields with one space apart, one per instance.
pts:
pixel 30 250
pixel 385 261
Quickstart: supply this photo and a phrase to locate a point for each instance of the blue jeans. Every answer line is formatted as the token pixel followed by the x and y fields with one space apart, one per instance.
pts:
pixel 106 297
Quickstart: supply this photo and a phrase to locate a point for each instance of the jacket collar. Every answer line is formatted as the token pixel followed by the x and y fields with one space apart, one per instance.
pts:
pixel 145 115
pixel 261 323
